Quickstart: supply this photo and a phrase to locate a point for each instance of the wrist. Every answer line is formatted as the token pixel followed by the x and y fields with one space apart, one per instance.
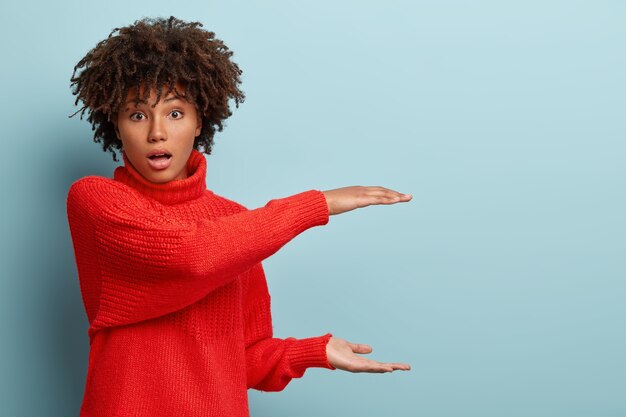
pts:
pixel 310 353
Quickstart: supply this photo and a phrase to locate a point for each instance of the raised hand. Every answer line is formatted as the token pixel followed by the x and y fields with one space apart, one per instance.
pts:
pixel 345 199
pixel 343 355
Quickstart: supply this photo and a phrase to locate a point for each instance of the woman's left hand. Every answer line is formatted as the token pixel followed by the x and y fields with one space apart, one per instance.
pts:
pixel 343 355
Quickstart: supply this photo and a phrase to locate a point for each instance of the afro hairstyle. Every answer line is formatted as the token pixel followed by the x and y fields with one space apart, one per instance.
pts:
pixel 157 52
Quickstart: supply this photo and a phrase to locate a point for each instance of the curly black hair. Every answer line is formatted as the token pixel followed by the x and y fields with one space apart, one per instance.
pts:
pixel 157 52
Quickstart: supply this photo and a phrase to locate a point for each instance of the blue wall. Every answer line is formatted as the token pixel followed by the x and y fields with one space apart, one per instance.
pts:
pixel 502 282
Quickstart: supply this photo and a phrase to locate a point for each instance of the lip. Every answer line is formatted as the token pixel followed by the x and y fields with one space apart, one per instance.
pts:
pixel 158 151
pixel 161 163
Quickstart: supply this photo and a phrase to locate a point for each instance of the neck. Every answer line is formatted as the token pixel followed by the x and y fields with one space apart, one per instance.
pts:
pixel 171 192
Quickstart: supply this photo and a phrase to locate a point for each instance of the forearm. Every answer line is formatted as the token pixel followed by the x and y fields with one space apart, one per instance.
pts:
pixel 151 264
pixel 273 363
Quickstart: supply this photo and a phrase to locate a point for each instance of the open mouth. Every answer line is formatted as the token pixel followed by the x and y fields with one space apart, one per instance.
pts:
pixel 160 161
pixel 160 156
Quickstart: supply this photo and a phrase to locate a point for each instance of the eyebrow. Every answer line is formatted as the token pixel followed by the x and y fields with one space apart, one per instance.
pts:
pixel 173 98
pixel 141 101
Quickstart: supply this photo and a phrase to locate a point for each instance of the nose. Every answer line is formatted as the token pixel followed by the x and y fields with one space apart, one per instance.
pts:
pixel 157 130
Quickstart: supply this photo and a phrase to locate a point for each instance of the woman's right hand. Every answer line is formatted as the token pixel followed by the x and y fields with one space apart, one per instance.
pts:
pixel 345 199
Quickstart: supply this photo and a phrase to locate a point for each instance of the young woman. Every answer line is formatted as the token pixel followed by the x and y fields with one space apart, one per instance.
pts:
pixel 170 272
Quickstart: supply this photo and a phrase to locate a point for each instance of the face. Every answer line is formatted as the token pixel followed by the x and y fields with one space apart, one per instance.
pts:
pixel 170 128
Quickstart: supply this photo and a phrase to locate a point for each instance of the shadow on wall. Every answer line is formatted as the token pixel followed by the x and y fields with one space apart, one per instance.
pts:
pixel 54 336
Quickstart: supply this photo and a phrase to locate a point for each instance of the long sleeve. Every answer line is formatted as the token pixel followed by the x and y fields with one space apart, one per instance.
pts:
pixel 271 363
pixel 151 264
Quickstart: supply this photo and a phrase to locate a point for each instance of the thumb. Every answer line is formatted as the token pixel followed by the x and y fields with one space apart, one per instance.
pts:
pixel 360 348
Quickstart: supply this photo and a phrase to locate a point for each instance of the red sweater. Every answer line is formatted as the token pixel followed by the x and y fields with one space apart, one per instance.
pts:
pixel 176 297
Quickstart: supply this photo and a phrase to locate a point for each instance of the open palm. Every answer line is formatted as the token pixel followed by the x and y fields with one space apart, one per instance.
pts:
pixel 343 355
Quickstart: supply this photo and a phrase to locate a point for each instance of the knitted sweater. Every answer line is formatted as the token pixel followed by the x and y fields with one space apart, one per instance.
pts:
pixel 176 297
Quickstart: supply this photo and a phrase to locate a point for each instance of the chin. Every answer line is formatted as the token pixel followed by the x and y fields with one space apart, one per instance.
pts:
pixel 159 181
pixel 158 178
pixel 164 176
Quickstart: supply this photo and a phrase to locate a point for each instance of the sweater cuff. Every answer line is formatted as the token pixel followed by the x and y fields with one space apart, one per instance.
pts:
pixel 309 353
pixel 314 207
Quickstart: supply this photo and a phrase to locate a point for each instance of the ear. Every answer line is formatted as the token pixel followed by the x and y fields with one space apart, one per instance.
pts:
pixel 198 125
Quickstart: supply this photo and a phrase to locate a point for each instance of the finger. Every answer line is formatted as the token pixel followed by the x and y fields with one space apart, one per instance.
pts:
pixel 385 199
pixel 386 196
pixel 400 366
pixel 387 367
pixel 378 188
pixel 360 348
pixel 377 367
pixel 395 366
pixel 371 366
pixel 385 192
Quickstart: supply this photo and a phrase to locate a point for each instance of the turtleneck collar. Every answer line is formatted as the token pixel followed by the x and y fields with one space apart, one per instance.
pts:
pixel 172 192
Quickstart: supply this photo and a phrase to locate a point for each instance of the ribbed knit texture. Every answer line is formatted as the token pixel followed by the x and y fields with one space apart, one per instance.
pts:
pixel 176 297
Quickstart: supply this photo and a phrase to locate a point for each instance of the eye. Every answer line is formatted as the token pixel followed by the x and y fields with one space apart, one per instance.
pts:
pixel 176 114
pixel 136 116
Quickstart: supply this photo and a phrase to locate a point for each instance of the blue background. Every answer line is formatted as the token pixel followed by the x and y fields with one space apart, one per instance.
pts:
pixel 502 282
